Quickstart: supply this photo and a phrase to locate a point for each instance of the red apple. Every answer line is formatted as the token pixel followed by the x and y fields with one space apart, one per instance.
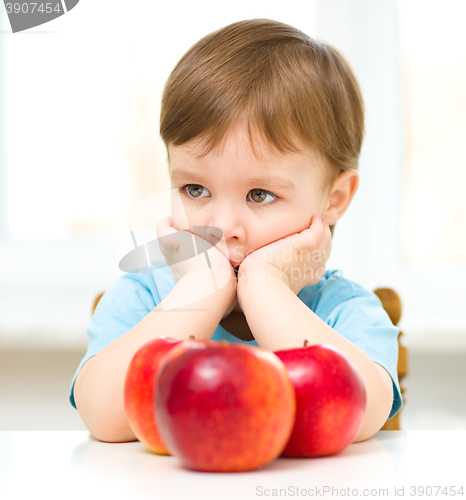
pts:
pixel 224 407
pixel 139 392
pixel 330 400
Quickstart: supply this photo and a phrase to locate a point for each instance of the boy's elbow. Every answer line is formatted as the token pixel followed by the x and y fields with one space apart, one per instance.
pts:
pixel 378 406
pixel 111 434
pixel 108 429
pixel 104 422
pixel 368 429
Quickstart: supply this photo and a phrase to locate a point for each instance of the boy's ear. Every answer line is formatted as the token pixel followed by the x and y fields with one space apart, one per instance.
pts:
pixel 340 195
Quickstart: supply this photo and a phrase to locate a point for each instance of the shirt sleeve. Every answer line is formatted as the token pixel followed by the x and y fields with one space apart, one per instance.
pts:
pixel 121 308
pixel 358 315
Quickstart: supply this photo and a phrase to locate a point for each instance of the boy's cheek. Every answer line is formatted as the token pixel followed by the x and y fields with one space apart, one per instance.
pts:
pixel 179 214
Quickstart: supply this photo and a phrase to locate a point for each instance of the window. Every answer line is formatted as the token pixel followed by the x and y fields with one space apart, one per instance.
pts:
pixel 434 78
pixel 375 242
pixel 82 109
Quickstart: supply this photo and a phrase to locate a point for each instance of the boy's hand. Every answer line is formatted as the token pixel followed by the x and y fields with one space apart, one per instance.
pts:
pixel 178 250
pixel 298 259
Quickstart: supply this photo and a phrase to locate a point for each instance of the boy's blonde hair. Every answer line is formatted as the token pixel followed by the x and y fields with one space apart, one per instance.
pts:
pixel 292 90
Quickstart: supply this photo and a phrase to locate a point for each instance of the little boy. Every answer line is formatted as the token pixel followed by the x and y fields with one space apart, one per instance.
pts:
pixel 263 127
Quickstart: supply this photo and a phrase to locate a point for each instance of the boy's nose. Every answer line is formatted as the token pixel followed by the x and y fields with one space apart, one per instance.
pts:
pixel 215 236
pixel 231 221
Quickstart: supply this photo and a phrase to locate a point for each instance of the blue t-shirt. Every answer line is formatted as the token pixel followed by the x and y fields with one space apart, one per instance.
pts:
pixel 353 311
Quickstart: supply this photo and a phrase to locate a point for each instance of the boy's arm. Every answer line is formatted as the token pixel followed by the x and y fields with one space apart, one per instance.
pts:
pixel 264 301
pixel 99 386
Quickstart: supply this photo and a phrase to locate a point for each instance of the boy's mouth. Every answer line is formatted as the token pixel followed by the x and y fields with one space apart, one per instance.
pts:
pixel 236 269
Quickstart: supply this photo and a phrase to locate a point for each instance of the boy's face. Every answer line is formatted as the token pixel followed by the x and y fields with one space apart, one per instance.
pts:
pixel 254 200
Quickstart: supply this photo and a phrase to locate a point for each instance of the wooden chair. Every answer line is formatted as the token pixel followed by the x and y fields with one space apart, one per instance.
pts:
pixel 96 301
pixel 392 304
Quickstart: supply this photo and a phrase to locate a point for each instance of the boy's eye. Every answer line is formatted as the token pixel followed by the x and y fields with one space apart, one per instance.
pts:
pixel 257 195
pixel 195 190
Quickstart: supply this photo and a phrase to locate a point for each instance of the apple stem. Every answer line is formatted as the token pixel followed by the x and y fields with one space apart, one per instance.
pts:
pixel 305 342
pixel 191 337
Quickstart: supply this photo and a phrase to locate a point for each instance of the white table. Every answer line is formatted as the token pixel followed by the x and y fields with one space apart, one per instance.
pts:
pixel 70 464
